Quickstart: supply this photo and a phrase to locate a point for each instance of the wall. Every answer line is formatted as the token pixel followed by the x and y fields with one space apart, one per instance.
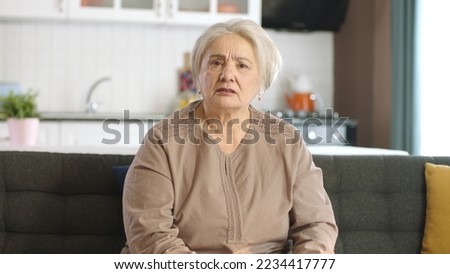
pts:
pixel 362 68
pixel 63 59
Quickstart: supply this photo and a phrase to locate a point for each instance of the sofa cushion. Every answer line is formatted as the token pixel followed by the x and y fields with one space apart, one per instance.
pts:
pixel 60 203
pixel 437 234
pixel 379 201
pixel 120 173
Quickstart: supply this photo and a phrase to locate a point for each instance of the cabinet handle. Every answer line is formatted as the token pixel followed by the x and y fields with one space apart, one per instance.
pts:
pixel 60 6
pixel 159 8
pixel 172 8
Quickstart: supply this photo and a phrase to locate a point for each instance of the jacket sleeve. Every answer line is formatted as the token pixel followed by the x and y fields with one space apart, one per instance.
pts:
pixel 313 227
pixel 148 199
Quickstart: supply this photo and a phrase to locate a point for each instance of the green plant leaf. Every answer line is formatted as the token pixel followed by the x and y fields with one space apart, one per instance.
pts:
pixel 19 106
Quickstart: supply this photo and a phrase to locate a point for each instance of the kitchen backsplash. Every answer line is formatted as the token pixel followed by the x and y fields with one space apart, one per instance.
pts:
pixel 63 59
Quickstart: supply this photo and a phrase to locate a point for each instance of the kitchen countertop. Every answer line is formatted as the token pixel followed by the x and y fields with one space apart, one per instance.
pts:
pixel 100 116
pixel 124 116
pixel 132 149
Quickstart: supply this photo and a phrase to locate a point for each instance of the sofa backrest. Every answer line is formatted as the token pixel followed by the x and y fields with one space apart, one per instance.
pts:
pixel 379 201
pixel 60 203
pixel 70 203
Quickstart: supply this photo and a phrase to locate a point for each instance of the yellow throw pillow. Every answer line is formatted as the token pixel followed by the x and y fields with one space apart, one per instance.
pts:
pixel 436 238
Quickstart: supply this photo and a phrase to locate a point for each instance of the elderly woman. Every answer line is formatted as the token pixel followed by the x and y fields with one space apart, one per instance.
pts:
pixel 219 176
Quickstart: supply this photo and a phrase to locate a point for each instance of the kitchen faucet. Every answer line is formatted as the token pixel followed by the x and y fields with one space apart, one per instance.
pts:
pixel 92 107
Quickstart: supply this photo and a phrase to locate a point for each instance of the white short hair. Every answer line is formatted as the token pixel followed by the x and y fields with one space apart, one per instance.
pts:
pixel 267 53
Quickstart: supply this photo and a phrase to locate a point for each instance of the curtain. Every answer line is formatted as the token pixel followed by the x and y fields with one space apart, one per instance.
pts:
pixel 404 126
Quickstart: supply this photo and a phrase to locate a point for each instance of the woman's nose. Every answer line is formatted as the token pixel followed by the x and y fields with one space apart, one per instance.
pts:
pixel 228 73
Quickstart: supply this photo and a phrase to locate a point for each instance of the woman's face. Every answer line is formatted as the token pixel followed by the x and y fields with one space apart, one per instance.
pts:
pixel 229 74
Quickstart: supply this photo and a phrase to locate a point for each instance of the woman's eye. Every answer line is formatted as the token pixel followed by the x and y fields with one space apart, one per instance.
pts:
pixel 215 64
pixel 243 66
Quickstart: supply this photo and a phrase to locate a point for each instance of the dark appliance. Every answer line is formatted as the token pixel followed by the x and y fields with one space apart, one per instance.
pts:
pixel 303 15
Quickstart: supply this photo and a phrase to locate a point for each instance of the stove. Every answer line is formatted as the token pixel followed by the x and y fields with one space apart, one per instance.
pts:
pixel 328 129
pixel 287 113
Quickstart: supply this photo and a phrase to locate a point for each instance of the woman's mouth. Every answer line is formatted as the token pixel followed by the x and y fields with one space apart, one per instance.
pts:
pixel 225 91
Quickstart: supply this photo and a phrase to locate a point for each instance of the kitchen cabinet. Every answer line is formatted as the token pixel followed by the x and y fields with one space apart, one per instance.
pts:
pixel 114 133
pixel 147 11
pixel 48 134
pixel 186 12
pixel 36 9
pixel 93 133
pixel 4 135
pixel 129 132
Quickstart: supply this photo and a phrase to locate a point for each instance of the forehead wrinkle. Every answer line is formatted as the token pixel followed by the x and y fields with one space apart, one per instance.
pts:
pixel 223 56
pixel 230 42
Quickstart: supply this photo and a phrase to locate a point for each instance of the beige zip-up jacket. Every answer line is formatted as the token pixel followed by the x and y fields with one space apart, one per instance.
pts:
pixel 182 194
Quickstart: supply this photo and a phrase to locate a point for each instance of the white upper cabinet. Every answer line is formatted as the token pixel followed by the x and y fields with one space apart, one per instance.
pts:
pixel 206 12
pixel 33 9
pixel 186 12
pixel 117 10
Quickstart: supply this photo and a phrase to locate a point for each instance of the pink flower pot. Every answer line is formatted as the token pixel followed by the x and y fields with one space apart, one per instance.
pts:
pixel 23 132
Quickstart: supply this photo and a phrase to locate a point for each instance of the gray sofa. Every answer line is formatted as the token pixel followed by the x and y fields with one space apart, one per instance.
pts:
pixel 71 203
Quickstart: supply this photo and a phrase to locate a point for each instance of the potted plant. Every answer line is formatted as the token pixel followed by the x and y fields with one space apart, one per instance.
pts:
pixel 20 112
